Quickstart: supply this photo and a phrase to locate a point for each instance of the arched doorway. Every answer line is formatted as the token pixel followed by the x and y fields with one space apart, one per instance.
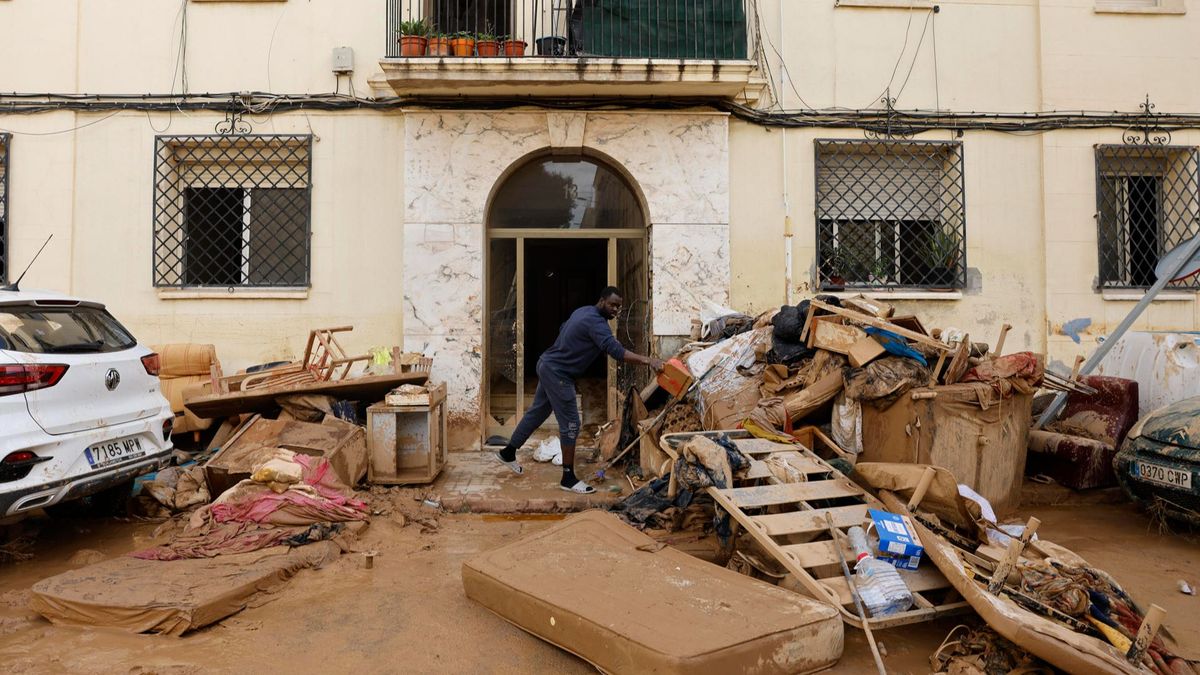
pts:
pixel 560 228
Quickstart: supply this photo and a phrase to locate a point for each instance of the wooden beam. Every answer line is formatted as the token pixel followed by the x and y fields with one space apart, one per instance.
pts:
pixel 885 325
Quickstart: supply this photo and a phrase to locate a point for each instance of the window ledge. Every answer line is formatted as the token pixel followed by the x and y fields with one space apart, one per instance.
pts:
pixel 1114 295
pixel 896 4
pixel 233 294
pixel 1164 7
pixel 884 294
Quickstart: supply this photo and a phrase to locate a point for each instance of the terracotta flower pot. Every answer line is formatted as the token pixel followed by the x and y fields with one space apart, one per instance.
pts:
pixel 513 47
pixel 440 47
pixel 487 48
pixel 463 46
pixel 413 45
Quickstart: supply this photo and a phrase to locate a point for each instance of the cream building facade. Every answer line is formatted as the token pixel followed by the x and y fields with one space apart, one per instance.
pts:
pixel 393 191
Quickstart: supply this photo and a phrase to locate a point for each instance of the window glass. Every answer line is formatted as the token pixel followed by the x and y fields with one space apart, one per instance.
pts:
pixel 61 330
pixel 557 193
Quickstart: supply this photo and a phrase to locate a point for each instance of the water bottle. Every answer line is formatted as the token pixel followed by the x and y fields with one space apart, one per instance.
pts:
pixel 880 587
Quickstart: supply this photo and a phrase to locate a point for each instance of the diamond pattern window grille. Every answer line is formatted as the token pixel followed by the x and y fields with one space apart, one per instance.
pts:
pixel 5 139
pixel 1147 202
pixel 232 211
pixel 890 214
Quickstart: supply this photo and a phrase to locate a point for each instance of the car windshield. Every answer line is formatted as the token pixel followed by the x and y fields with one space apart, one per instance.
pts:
pixel 61 330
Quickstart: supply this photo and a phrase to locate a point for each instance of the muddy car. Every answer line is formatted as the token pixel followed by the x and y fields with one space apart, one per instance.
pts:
pixel 81 412
pixel 1158 465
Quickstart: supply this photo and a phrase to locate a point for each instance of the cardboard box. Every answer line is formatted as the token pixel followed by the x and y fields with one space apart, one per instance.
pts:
pixel 897 538
pixel 901 562
pixel 675 377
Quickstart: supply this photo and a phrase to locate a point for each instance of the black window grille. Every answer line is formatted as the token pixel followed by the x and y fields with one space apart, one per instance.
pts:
pixel 890 214
pixel 4 144
pixel 232 211
pixel 1147 202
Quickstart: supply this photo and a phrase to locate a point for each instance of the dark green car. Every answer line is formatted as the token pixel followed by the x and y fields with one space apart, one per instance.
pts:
pixel 1158 465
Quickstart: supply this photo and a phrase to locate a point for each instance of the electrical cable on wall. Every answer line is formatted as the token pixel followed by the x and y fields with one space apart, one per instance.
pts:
pixel 914 121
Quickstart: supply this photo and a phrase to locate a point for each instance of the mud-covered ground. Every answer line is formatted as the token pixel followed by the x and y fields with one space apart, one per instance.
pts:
pixel 409 615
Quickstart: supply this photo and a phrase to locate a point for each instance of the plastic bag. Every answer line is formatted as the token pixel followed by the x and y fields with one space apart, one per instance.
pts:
pixel 549 450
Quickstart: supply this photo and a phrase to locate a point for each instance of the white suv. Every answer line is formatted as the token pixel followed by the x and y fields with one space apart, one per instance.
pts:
pixel 80 406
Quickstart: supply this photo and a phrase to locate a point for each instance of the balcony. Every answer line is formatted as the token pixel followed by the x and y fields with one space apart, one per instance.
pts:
pixel 571 48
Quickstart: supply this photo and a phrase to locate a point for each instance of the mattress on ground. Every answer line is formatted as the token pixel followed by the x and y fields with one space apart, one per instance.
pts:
pixel 172 597
pixel 613 596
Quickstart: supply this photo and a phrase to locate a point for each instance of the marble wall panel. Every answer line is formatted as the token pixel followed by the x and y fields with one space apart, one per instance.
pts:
pixel 690 267
pixel 443 279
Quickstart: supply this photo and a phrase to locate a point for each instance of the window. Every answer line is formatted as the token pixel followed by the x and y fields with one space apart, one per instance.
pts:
pixel 4 142
pixel 1141 6
pixel 890 214
pixel 232 211
pixel 1147 202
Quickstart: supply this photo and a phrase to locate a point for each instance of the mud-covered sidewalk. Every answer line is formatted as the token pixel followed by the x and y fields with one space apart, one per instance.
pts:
pixel 408 613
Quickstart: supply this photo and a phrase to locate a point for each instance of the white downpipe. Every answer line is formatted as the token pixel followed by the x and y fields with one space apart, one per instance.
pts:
pixel 787 202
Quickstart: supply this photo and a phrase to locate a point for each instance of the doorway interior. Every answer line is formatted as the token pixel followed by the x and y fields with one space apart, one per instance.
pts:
pixel 560 230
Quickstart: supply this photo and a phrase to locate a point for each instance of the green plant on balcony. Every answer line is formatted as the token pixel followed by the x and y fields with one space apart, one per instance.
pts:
pixel 486 42
pixel 414 37
pixel 463 43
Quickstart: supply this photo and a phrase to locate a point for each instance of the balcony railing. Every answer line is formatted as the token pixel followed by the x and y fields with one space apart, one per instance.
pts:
pixel 569 29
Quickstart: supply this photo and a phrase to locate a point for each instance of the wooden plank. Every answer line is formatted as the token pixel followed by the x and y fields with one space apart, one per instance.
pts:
pixel 759 446
pixel 818 553
pixel 801 522
pixel 834 336
pixel 789 493
pixel 370 388
pixel 926 578
pixel 865 351
pixel 885 325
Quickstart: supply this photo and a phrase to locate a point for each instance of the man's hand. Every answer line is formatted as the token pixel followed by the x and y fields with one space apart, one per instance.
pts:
pixel 656 364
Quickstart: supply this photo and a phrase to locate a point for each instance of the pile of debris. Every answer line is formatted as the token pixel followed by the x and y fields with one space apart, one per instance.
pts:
pixel 273 491
pixel 820 438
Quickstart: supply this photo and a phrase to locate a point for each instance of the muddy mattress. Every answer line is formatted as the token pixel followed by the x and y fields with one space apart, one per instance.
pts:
pixel 612 595
pixel 171 597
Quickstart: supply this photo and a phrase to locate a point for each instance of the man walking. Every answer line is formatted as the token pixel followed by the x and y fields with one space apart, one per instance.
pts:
pixel 580 340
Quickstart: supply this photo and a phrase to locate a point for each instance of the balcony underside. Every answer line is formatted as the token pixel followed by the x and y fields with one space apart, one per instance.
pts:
pixel 572 78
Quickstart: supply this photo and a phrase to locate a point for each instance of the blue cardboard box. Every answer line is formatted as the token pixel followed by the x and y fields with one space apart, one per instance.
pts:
pixel 899 544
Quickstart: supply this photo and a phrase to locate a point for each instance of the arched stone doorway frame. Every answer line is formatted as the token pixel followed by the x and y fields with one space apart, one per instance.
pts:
pixel 638 236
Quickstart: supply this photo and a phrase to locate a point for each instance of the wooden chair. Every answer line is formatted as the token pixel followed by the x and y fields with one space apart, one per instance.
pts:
pixel 324 359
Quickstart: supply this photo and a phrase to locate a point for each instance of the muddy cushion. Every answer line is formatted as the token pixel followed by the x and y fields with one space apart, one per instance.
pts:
pixel 610 594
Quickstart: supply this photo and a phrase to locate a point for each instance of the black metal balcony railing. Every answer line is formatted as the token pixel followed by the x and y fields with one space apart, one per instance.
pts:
pixel 656 29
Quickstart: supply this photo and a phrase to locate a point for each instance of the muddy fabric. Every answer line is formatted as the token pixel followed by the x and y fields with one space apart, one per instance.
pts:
pixel 729 379
pixel 1014 373
pixel 179 488
pixel 627 604
pixel 307 407
pixel 149 596
pixel 884 380
pixel 780 413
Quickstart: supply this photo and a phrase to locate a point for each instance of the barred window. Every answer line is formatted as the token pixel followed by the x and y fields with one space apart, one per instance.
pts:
pixel 890 214
pixel 232 211
pixel 1147 202
pixel 4 142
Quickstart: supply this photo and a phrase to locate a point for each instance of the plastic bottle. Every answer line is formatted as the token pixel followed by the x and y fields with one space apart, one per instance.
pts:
pixel 880 587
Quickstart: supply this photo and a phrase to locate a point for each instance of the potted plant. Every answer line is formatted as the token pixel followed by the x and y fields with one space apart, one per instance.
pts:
pixel 463 43
pixel 414 37
pixel 941 258
pixel 511 47
pixel 834 264
pixel 486 43
pixel 440 45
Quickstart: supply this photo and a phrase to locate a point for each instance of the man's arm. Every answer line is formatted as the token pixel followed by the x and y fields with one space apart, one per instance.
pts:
pixel 638 359
pixel 604 338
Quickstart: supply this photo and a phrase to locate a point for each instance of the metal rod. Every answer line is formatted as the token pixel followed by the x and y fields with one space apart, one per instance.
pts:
pixel 862 615
pixel 1060 400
